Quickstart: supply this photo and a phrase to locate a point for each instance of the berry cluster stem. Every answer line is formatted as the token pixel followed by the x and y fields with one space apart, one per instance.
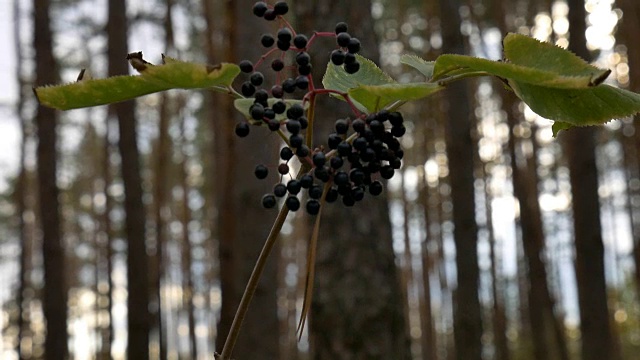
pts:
pixel 256 274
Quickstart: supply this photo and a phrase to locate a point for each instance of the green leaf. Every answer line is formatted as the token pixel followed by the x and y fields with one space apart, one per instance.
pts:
pixel 243 105
pixel 418 63
pixel 383 95
pixel 578 107
pixel 335 78
pixel 174 74
pixel 527 60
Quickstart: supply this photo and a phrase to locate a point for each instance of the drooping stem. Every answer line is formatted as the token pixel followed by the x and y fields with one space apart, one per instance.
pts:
pixel 252 284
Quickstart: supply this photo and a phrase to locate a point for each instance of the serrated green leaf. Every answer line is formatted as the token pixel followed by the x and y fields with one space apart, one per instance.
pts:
pixel 418 63
pixel 173 75
pixel 243 105
pixel 578 107
pixel 527 60
pixel 383 95
pixel 559 126
pixel 335 78
pixel 529 52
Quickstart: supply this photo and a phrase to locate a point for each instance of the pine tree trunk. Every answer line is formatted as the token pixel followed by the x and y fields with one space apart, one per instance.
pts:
pixel 460 150
pixel 579 146
pixel 55 290
pixel 137 259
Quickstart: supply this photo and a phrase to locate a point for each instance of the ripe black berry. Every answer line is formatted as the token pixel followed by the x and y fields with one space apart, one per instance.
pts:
pixel 269 113
pixel 353 46
pixel 387 172
pixel 357 193
pixel 257 111
pixel 342 126
pixel 259 8
pixel 284 35
pixel 283 45
pixel 261 96
pixel 295 111
pixel 248 89
pixel 286 153
pixel 315 191
pixel 352 68
pixel 303 58
pixel 356 176
pixel 336 162
pixel 270 15
pixel 334 140
pixel 277 65
pixel 283 169
pixel 304 123
pixel 377 127
pixel 293 126
pixel 395 118
pixel 281 8
pixel 280 190
pixel 261 172
pixel 279 107
pixel 268 201
pixel 242 129
pixel 274 125
pixel 398 131
pixel 303 151
pixel 344 148
pixel 360 143
pixel 306 181
pixel 304 69
pixel 313 207
pixel 337 57
pixel 322 173
pixel 289 85
pixel 292 203
pixel 348 201
pixel 358 125
pixel 350 58
pixel 375 188
pixel 246 66
pixel 267 40
pixel 277 92
pixel 293 186
pixel 257 78
pixel 319 159
pixel 302 82
pixel 343 39
pixel 341 27
pixel 332 195
pixel 296 140
pixel 341 178
pixel 300 41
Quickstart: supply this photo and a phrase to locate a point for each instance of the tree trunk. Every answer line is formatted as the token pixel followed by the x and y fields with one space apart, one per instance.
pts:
pixel 579 146
pixel 629 27
pixel 356 312
pixel 55 290
pixel 137 259
pixel 460 150
pixel 238 196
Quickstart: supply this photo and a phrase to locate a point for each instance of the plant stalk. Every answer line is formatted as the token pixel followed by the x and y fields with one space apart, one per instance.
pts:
pixel 252 284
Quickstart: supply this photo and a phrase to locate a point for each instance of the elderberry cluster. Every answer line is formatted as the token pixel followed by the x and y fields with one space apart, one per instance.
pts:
pixel 362 150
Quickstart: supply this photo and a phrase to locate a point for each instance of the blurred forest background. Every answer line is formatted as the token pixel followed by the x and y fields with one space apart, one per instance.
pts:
pixel 139 223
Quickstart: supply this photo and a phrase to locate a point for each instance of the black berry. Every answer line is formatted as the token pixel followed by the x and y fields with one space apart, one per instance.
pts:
pixel 260 8
pixel 267 40
pixel 313 207
pixel 284 35
pixel 247 89
pixel 319 159
pixel 341 27
pixel 300 41
pixel 257 78
pixel 292 203
pixel 270 15
pixel 337 57
pixel 294 186
pixel 352 68
pixel 281 8
pixel 286 153
pixel 242 129
pixel 257 111
pixel 353 46
pixel 343 39
pixel 261 171
pixel 295 111
pixel 280 190
pixel 306 181
pixel 246 66
pixel 315 191
pixel 268 201
pixel 284 45
pixel 375 188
